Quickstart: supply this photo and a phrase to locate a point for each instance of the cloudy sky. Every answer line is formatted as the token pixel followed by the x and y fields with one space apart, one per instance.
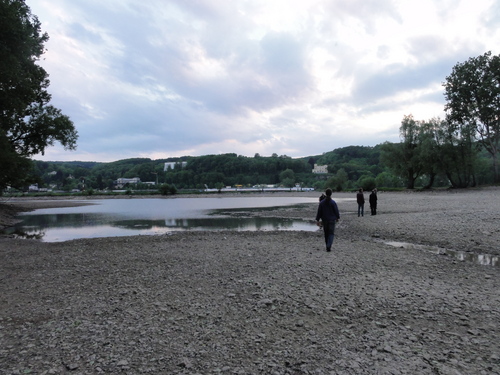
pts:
pixel 166 78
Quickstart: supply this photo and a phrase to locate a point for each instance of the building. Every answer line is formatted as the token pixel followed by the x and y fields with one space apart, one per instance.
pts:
pixel 320 169
pixel 121 182
pixel 173 164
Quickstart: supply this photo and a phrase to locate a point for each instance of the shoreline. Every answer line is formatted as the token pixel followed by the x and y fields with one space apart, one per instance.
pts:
pixel 433 218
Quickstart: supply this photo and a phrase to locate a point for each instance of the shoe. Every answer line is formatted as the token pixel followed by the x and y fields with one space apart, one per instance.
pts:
pixel 328 249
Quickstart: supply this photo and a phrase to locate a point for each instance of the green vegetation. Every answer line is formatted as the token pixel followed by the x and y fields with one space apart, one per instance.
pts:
pixel 28 124
pixel 472 92
pixel 437 152
pixel 386 166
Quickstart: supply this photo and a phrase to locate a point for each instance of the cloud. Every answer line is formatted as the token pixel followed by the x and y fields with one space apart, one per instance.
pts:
pixel 396 79
pixel 166 78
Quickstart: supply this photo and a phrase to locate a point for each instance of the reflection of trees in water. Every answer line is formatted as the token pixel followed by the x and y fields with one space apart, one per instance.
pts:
pixel 29 234
pixel 209 223
pixel 482 259
pixel 77 220
pixel 137 224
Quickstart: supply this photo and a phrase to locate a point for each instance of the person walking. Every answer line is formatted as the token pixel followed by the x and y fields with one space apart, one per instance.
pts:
pixel 373 201
pixel 328 213
pixel 360 198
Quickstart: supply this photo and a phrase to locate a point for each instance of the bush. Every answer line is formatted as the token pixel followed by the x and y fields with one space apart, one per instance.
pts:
pixel 167 189
pixel 367 183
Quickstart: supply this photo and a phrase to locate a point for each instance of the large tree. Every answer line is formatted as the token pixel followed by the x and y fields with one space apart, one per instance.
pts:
pixel 472 91
pixel 404 158
pixel 457 155
pixel 28 123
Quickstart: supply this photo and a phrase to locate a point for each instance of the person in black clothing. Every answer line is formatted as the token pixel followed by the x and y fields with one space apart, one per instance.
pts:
pixel 328 213
pixel 360 198
pixel 373 201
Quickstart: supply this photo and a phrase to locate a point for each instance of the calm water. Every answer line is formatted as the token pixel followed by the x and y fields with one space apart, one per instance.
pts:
pixel 124 217
pixel 481 259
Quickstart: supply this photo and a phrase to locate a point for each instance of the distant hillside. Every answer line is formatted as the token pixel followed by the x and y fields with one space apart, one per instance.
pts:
pixel 208 170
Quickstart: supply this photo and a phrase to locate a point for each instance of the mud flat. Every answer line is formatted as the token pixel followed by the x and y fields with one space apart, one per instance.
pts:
pixel 265 302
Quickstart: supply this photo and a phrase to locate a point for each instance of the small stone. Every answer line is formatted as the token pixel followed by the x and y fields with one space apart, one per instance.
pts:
pixel 72 366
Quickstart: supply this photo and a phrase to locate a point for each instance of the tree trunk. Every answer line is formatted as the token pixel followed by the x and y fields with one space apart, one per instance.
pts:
pixel 432 176
pixel 495 168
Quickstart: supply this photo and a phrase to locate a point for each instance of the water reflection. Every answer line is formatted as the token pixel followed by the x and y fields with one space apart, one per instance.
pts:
pixel 216 224
pixel 54 228
pixel 124 217
pixel 481 259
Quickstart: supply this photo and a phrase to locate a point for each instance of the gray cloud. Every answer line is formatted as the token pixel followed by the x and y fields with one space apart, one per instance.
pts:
pixel 167 77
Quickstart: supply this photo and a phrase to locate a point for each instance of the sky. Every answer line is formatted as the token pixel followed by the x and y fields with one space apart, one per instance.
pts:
pixel 169 78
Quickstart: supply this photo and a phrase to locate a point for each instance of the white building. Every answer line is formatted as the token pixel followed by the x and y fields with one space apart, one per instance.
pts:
pixel 172 165
pixel 320 168
pixel 121 182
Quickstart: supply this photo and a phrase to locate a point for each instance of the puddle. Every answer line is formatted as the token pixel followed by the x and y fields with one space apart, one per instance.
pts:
pixel 481 259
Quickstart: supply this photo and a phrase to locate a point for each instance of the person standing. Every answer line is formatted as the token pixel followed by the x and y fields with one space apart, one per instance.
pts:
pixel 373 201
pixel 360 198
pixel 328 213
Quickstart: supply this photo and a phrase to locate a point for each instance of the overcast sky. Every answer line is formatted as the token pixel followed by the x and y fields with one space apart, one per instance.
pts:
pixel 160 78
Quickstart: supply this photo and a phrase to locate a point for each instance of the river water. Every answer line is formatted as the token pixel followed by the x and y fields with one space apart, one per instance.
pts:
pixel 125 217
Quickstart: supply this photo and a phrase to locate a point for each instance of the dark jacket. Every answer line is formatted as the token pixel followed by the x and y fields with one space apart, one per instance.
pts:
pixel 373 199
pixel 360 197
pixel 328 210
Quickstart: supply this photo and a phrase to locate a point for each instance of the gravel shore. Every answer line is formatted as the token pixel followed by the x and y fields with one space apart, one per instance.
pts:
pixel 402 292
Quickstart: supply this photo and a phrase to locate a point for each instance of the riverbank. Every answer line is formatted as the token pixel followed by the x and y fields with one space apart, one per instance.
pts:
pixel 264 302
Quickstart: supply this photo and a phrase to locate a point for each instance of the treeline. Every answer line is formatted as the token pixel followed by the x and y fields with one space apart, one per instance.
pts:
pixel 199 172
pixel 439 152
pixel 381 166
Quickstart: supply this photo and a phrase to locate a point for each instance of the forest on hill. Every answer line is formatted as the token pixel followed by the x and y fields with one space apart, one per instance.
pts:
pixel 348 168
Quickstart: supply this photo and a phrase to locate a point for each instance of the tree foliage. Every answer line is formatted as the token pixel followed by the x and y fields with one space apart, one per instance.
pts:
pixel 365 163
pixel 404 158
pixel 433 148
pixel 28 123
pixel 472 91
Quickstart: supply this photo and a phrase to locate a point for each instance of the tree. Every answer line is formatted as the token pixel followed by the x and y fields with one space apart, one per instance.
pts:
pixel 311 162
pixel 472 91
pixel 368 183
pixel 458 153
pixel 429 150
pixel 28 124
pixel 288 175
pixel 404 157
pixel 339 181
pixel 387 179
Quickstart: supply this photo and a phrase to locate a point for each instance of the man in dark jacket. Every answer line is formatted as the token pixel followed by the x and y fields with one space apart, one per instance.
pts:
pixel 328 213
pixel 360 198
pixel 373 201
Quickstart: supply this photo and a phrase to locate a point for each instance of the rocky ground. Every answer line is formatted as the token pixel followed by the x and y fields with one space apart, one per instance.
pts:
pixel 264 302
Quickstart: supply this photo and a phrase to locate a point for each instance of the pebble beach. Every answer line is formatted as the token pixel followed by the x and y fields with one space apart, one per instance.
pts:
pixel 412 290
